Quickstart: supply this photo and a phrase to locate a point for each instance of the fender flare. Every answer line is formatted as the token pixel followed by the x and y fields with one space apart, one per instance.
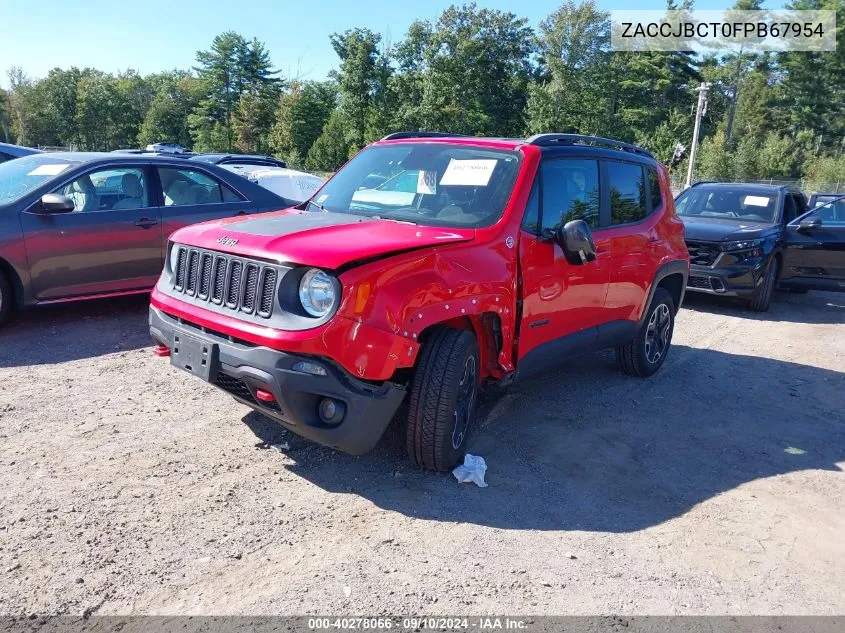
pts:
pixel 674 267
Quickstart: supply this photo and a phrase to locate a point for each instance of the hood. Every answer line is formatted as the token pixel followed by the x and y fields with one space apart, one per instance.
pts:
pixel 324 239
pixel 719 230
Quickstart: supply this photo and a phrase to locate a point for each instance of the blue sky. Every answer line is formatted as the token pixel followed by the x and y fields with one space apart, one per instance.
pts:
pixel 154 35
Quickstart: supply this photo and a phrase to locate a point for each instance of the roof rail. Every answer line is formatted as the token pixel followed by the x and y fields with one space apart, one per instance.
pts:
pixel 400 135
pixel 548 140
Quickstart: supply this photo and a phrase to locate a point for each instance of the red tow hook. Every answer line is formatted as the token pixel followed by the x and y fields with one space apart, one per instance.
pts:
pixel 161 350
pixel 264 396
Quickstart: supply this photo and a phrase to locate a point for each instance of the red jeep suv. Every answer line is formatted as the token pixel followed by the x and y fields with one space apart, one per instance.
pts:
pixel 429 265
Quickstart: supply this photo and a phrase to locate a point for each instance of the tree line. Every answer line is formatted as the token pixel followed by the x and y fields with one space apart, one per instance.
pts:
pixel 471 71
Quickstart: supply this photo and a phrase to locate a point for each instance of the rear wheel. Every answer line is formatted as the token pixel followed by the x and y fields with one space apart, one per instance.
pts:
pixel 644 355
pixel 6 299
pixel 442 402
pixel 762 297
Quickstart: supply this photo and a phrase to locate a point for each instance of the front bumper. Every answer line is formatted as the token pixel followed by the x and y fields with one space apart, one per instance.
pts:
pixel 241 369
pixel 736 280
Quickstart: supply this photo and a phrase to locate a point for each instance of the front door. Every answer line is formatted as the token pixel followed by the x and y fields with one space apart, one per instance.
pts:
pixel 815 255
pixel 110 242
pixel 562 303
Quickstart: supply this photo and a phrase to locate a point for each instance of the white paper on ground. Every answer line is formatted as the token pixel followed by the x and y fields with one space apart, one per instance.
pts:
pixel 472 470
pixel 472 173
pixel 50 169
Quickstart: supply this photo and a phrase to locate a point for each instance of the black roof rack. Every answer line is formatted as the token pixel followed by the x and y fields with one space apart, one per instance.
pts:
pixel 400 135
pixel 548 140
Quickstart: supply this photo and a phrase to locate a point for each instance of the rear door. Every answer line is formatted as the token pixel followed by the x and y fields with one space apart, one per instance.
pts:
pixel 632 234
pixel 815 257
pixel 110 242
pixel 188 195
pixel 561 300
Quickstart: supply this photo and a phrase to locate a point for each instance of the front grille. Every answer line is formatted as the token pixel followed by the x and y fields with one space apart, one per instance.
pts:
pixel 702 253
pixel 237 284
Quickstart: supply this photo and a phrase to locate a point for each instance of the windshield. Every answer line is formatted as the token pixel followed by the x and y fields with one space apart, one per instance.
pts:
pixel 739 204
pixel 20 176
pixel 434 184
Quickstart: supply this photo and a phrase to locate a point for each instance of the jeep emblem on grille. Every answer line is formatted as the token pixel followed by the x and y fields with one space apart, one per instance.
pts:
pixel 227 241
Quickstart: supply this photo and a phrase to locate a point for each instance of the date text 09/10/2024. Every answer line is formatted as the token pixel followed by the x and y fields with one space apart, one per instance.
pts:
pixel 418 623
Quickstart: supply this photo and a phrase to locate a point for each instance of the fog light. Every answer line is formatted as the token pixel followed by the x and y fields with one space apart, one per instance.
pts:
pixel 305 367
pixel 331 411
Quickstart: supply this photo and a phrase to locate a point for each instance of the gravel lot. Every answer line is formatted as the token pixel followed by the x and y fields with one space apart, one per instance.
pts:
pixel 714 487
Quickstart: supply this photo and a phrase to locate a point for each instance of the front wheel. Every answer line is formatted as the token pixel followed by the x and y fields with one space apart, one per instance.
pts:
pixel 442 401
pixel 646 352
pixel 762 296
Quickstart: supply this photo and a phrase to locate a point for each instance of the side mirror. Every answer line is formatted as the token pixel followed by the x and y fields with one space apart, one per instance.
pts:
pixel 576 241
pixel 810 224
pixel 56 203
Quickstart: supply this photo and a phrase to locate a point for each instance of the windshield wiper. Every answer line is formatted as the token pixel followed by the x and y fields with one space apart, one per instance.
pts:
pixel 319 206
pixel 378 217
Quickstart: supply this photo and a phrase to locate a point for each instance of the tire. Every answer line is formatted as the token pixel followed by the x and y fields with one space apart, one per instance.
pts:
pixel 6 299
pixel 762 296
pixel 441 405
pixel 646 352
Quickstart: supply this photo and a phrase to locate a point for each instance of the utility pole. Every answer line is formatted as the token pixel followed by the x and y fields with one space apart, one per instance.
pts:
pixel 703 89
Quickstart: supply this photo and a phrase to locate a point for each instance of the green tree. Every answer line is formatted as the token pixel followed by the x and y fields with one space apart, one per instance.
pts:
pixel 356 79
pixel 177 95
pixel 231 69
pixel 573 44
pixel 300 117
pixel 331 149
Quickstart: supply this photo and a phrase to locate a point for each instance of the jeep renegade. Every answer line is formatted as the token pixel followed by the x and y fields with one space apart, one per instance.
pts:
pixel 426 267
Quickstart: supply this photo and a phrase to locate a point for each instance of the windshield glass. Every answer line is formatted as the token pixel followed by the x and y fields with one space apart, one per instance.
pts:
pixel 739 204
pixel 20 176
pixel 434 184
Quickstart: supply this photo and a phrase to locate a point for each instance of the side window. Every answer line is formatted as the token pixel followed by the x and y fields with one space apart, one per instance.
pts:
pixel 654 187
pixel 831 214
pixel 108 189
pixel 531 219
pixel 790 212
pixel 183 187
pixel 627 192
pixel 800 204
pixel 570 192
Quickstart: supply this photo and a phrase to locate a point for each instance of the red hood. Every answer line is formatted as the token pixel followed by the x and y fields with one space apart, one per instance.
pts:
pixel 324 239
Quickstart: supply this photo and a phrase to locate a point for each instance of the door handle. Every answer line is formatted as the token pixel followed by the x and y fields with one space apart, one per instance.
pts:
pixel 145 223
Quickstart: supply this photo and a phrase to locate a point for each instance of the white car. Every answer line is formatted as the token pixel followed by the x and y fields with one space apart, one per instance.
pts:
pixel 166 148
pixel 290 184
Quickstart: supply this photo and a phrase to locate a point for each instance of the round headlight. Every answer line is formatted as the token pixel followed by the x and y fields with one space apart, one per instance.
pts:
pixel 317 293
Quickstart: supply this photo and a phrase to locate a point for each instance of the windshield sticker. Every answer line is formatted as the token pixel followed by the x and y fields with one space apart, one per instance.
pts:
pixel 472 173
pixel 323 198
pixel 50 169
pixel 756 201
pixel 427 182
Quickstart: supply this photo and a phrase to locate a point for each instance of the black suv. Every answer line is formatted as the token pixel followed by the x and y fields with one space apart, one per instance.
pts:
pixel 745 239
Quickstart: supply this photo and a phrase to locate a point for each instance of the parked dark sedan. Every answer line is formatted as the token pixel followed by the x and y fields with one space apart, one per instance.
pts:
pixel 745 239
pixel 8 152
pixel 86 225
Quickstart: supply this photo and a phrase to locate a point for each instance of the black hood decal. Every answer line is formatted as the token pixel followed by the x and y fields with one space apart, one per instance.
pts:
pixel 279 225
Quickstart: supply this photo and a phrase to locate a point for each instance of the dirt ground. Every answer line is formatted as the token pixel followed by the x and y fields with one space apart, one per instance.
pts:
pixel 716 486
